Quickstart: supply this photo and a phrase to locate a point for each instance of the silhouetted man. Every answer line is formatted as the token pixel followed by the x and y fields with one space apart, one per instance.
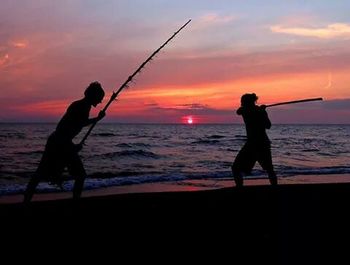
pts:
pixel 257 146
pixel 60 151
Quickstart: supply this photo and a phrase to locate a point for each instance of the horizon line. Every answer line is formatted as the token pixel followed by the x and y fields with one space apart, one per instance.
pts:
pixel 160 123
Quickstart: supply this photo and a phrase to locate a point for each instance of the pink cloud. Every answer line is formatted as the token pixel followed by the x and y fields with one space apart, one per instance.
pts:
pixel 335 30
pixel 4 59
pixel 20 44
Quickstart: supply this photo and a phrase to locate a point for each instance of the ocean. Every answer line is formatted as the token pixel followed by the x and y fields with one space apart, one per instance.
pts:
pixel 124 154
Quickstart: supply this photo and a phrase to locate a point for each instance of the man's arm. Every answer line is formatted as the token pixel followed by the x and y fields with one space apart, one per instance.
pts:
pixel 239 111
pixel 100 116
pixel 267 122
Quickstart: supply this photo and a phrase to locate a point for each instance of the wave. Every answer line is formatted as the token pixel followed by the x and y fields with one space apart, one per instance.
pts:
pixel 92 183
pixel 106 134
pixel 110 175
pixel 17 173
pixel 14 135
pixel 108 179
pixel 205 141
pixel 37 152
pixel 216 136
pixel 130 145
pixel 292 171
pixel 310 150
pixel 132 153
pixel 123 145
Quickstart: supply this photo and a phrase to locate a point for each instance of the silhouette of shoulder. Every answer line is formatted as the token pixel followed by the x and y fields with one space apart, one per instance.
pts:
pixel 75 118
pixel 79 109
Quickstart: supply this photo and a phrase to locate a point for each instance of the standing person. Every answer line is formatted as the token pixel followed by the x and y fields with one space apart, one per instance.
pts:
pixel 257 146
pixel 60 151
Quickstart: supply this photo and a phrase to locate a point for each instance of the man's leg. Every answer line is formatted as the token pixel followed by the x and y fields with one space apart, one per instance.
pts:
pixel 272 177
pixel 78 187
pixel 237 176
pixel 244 163
pixel 33 183
pixel 265 160
pixel 239 164
pixel 76 169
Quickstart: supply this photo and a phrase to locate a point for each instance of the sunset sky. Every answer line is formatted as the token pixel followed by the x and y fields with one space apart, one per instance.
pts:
pixel 282 50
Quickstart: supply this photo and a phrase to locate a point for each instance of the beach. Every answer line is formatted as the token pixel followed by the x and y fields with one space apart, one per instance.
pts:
pixel 155 191
pixel 281 224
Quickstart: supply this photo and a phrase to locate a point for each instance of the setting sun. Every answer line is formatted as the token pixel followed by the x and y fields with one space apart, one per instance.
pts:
pixel 188 120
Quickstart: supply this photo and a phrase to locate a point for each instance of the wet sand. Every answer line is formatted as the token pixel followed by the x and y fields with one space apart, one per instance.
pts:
pixel 176 186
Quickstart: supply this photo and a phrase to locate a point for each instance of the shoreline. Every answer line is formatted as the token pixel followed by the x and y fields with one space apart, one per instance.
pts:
pixel 179 186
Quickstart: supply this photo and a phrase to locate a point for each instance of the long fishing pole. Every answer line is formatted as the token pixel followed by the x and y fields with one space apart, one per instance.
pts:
pixel 125 84
pixel 294 101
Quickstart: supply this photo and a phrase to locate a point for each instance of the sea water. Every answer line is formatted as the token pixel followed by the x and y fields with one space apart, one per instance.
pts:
pixel 122 154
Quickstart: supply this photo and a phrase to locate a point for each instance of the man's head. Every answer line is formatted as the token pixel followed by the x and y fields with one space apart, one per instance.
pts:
pixel 248 100
pixel 94 93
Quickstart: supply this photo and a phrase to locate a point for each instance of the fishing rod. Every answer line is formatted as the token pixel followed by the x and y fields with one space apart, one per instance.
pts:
pixel 125 84
pixel 294 101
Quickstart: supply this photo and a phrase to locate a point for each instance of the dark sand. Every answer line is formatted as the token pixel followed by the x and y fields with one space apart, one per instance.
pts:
pixel 287 224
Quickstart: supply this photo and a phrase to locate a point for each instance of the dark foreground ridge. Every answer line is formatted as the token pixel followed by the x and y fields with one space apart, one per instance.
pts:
pixel 278 223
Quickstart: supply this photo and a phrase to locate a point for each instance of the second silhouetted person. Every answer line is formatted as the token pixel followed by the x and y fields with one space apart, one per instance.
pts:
pixel 257 147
